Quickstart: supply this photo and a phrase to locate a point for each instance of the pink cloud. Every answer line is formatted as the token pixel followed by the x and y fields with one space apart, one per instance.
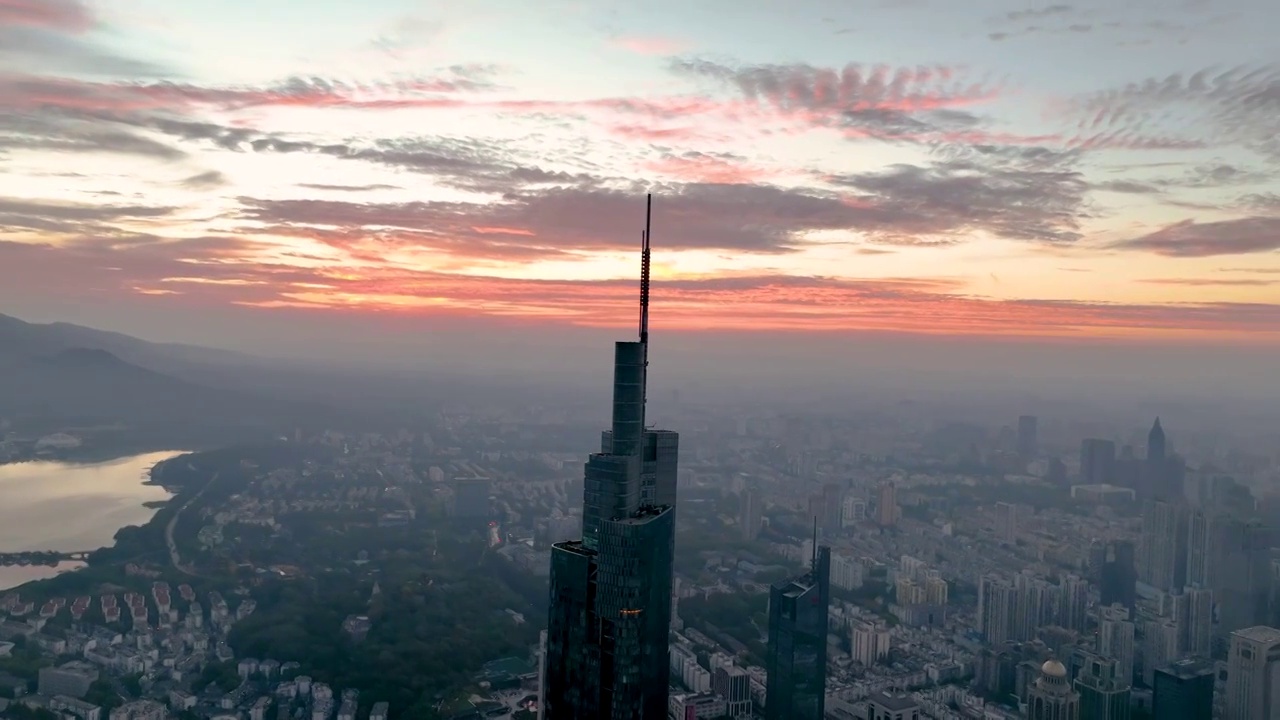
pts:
pixel 67 15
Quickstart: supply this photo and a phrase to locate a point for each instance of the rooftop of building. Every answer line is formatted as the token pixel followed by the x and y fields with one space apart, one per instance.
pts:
pixel 1259 634
pixel 893 701
pixel 1189 668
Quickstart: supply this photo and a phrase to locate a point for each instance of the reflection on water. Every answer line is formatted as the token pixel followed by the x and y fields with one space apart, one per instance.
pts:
pixel 66 507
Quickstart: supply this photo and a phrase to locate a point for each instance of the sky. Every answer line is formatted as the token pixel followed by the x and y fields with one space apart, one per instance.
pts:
pixel 996 168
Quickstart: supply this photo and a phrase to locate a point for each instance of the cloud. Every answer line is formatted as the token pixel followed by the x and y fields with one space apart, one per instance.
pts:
pixel 204 271
pixel 66 15
pixel 1210 282
pixel 1128 187
pixel 463 163
pixel 1034 198
pixel 21 132
pixel 205 181
pixel 1041 12
pixel 42 92
pixel 57 36
pixel 714 168
pixel 348 188
pixel 745 218
pixel 16 214
pixel 1236 106
pixel 1241 236
pixel 821 96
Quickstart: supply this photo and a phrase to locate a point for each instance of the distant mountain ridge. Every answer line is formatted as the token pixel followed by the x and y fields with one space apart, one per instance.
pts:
pixel 63 373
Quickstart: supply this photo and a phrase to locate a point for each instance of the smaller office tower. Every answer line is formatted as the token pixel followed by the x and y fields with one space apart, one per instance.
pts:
pixel 796 658
pixel 733 684
pixel 1253 667
pixel 1104 695
pixel 1184 690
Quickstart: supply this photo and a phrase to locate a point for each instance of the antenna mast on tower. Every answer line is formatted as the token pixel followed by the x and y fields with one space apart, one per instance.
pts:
pixel 644 271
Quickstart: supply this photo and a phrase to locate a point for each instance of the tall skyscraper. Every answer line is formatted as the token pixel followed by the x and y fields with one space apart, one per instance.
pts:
pixel 610 614
pixel 1184 691
pixel 1028 441
pixel 749 515
pixel 1164 545
pixel 1007 522
pixel 1156 449
pixel 1113 569
pixel 796 656
pixel 1097 461
pixel 832 496
pixel 887 505
pixel 1253 674
pixel 1197 633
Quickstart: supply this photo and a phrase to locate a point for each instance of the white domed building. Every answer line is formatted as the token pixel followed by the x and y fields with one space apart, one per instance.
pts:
pixel 1051 696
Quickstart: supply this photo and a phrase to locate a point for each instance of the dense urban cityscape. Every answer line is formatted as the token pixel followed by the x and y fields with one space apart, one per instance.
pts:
pixel 785 568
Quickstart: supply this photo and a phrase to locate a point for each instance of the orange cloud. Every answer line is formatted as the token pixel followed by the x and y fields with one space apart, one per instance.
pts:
pixel 228 271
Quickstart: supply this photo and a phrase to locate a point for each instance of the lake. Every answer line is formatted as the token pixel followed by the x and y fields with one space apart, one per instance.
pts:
pixel 70 506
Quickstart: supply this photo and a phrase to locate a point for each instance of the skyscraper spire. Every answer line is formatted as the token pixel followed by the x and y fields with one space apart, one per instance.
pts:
pixel 644 271
pixel 610 612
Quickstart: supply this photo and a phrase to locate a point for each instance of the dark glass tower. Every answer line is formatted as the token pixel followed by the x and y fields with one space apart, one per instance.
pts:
pixel 1114 570
pixel 610 609
pixel 1184 691
pixel 796 658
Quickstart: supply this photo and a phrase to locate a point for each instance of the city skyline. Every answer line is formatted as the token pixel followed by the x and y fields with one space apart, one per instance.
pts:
pixel 902 167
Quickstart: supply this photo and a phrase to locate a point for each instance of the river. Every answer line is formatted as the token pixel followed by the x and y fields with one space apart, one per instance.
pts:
pixel 69 506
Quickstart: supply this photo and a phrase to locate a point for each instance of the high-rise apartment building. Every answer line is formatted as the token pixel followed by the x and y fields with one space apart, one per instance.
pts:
pixel 1253 674
pixel 1160 647
pixel 869 642
pixel 796 656
pixel 610 614
pixel 1073 607
pixel 1116 639
pixel 1028 440
pixel 1104 695
pixel 1184 691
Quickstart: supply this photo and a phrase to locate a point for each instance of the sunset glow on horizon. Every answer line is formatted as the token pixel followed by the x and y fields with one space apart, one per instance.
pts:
pixel 1000 168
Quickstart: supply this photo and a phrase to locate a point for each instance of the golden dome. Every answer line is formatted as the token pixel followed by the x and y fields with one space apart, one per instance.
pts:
pixel 1053 668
